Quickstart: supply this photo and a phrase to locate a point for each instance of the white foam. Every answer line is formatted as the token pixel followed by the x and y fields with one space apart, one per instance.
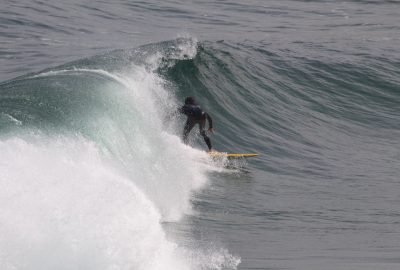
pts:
pixel 65 208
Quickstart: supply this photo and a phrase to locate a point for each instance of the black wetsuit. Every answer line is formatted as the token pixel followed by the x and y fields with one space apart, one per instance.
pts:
pixel 196 116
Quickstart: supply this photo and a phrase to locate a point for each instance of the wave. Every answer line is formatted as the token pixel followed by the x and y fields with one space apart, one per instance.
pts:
pixel 91 169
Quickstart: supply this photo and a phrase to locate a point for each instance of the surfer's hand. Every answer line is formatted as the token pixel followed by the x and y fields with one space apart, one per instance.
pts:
pixel 211 130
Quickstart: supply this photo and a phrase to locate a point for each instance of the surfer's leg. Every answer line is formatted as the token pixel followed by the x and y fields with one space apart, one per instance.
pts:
pixel 188 127
pixel 203 133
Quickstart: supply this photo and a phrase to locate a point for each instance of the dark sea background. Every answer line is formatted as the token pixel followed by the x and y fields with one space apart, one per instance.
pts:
pixel 93 172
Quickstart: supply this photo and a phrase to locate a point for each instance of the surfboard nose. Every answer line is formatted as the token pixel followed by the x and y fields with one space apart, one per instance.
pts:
pixel 215 154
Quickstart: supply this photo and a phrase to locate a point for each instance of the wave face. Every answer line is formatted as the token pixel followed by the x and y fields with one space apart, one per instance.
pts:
pixel 312 111
pixel 90 167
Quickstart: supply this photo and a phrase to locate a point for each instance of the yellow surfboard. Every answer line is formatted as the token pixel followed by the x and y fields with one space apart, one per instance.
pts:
pixel 215 154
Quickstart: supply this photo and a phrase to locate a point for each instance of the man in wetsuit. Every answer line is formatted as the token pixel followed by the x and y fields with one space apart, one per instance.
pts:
pixel 195 115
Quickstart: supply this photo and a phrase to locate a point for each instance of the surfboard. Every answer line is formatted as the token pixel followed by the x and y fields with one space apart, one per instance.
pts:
pixel 215 154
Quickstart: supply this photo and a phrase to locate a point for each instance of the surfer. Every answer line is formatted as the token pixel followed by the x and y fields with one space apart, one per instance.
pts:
pixel 195 115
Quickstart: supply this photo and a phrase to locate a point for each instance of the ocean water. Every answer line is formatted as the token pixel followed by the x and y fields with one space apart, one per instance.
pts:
pixel 93 171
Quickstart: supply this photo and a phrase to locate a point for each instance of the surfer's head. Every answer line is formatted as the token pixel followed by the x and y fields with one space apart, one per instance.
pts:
pixel 189 101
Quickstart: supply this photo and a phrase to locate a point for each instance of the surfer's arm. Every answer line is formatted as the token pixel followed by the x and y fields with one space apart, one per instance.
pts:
pixel 210 124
